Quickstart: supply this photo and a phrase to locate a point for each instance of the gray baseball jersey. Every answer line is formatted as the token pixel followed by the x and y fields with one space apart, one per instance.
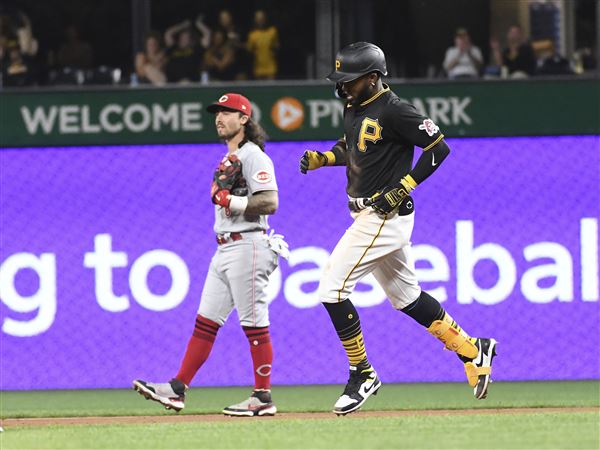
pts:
pixel 239 270
pixel 259 173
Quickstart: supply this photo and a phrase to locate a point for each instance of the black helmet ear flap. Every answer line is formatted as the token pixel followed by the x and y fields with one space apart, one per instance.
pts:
pixel 339 92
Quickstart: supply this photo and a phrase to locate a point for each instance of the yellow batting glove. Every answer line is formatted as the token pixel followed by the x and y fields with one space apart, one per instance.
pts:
pixel 312 160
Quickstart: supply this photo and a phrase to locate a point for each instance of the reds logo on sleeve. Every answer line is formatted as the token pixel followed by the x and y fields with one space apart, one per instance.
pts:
pixel 430 127
pixel 262 176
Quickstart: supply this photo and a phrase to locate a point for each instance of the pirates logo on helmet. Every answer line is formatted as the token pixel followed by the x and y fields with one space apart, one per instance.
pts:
pixel 356 60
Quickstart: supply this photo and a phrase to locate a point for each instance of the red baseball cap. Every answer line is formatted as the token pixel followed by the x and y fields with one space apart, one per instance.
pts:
pixel 234 102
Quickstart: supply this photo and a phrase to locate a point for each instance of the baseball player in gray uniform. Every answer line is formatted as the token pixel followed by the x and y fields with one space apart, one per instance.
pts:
pixel 244 191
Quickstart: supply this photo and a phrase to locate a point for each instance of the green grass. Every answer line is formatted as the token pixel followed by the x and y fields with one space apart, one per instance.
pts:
pixel 123 402
pixel 535 431
pixel 543 430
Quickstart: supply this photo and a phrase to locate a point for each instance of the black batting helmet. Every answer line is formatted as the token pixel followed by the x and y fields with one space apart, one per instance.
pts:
pixel 356 60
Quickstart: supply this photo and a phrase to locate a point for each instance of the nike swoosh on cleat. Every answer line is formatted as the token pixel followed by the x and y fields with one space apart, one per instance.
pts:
pixel 367 390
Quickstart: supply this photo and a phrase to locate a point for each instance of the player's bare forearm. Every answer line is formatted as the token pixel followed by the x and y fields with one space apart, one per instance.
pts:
pixel 263 202
pixel 429 161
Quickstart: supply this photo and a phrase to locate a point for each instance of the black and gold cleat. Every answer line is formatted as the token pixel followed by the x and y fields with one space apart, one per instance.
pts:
pixel 361 385
pixel 479 369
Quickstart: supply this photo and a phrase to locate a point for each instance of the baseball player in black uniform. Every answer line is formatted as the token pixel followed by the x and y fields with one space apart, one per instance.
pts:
pixel 377 149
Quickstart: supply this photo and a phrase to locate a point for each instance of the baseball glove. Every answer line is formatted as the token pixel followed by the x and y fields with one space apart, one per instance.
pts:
pixel 227 175
pixel 228 172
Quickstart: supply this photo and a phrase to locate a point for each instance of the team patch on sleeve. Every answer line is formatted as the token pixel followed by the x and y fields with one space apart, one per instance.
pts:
pixel 262 176
pixel 429 127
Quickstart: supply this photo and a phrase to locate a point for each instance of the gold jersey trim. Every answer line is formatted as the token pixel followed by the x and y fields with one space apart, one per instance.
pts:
pixel 361 258
pixel 385 89
pixel 434 143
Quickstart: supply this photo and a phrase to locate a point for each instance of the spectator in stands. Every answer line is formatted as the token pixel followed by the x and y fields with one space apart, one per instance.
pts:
pixel 219 58
pixel 18 71
pixel 263 43
pixel 75 52
pixel 553 63
pixel 8 32
pixel 184 54
pixel 18 48
pixel 203 39
pixel 584 59
pixel 8 39
pixel 518 57
pixel 15 28
pixel 150 64
pixel 227 26
pixel 241 57
pixel 27 42
pixel 464 60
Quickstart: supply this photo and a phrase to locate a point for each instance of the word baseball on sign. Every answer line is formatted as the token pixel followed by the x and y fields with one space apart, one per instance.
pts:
pixel 104 253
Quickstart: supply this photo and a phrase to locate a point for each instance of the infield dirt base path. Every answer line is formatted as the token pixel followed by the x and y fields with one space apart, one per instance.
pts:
pixel 184 418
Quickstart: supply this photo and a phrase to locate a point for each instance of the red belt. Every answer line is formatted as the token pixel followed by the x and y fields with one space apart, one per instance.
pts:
pixel 230 237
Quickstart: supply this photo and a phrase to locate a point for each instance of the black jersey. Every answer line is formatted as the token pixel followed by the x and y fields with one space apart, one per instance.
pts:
pixel 380 137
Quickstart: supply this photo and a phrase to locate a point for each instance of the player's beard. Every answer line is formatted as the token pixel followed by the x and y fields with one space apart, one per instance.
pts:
pixel 365 94
pixel 227 135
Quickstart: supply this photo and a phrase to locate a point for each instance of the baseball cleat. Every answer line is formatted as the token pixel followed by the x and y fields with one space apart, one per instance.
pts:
pixel 361 385
pixel 171 395
pixel 479 369
pixel 259 404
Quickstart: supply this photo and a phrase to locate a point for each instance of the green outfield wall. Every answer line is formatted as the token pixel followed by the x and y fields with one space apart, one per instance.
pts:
pixel 290 112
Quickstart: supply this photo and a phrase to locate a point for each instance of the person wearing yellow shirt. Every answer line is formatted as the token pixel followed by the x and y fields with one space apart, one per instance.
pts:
pixel 263 42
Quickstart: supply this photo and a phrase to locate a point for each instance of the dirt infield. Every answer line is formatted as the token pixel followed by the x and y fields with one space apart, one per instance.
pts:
pixel 181 418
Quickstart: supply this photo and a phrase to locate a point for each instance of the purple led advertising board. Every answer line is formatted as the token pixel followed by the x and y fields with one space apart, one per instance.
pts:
pixel 104 251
